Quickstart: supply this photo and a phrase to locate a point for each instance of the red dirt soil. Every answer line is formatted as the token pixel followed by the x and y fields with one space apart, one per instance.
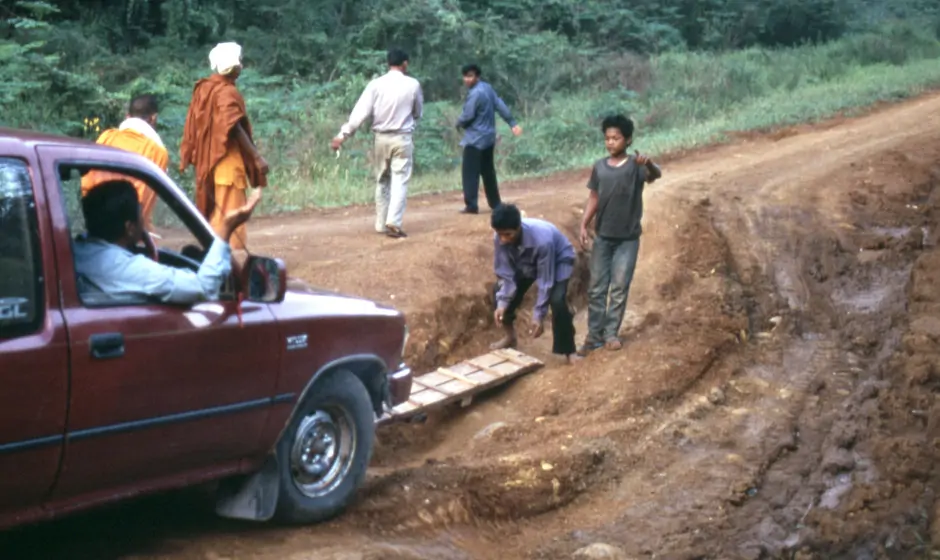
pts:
pixel 776 396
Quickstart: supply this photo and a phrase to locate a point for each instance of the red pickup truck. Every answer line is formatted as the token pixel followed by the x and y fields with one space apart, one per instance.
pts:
pixel 272 393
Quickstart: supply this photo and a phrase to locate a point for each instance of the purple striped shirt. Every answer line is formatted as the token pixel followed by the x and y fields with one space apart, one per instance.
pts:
pixel 543 254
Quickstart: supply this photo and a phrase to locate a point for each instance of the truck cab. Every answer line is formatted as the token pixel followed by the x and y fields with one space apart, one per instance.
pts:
pixel 272 392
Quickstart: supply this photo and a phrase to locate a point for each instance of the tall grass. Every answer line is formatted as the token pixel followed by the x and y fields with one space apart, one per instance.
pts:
pixel 678 100
pixel 686 100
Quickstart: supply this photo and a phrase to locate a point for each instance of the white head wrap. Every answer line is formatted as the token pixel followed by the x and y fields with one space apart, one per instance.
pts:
pixel 225 57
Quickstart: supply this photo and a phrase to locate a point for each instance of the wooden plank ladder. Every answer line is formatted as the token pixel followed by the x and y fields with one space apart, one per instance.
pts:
pixel 462 381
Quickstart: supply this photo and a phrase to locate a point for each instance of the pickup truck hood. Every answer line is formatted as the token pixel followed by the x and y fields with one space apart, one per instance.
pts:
pixel 302 299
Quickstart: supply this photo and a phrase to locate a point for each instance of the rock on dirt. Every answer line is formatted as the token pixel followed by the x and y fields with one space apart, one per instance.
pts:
pixel 490 430
pixel 600 551
pixel 716 396
pixel 838 460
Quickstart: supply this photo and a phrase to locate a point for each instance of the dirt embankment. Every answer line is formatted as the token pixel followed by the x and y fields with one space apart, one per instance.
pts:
pixel 834 452
pixel 566 432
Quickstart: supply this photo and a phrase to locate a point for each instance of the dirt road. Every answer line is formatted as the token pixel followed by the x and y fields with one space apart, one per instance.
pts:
pixel 775 397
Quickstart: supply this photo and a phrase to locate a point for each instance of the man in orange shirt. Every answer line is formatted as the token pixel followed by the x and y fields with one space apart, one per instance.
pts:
pixel 136 134
pixel 217 140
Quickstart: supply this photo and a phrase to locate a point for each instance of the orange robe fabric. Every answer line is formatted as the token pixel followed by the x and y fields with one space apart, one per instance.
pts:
pixel 230 182
pixel 131 141
pixel 223 172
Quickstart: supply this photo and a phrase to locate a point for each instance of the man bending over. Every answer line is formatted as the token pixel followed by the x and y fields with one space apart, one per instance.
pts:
pixel 530 251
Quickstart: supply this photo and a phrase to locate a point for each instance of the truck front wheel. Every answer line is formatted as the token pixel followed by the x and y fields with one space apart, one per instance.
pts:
pixel 324 452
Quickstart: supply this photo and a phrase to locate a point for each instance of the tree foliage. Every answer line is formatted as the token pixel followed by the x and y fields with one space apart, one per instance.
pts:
pixel 66 59
pixel 562 65
pixel 310 38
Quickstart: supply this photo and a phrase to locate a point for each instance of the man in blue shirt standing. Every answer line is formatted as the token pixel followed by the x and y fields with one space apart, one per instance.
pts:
pixel 478 120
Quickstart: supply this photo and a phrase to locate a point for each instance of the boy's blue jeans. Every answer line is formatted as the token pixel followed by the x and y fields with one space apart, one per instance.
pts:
pixel 613 262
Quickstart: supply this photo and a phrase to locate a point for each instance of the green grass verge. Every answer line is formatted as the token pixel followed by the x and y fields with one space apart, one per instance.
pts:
pixel 679 100
pixel 566 136
pixel 337 185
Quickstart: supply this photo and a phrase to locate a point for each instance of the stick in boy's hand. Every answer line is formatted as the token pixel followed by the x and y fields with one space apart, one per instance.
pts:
pixel 640 158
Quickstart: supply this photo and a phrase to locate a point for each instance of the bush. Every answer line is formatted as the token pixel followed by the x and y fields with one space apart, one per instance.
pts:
pixel 561 65
pixel 795 22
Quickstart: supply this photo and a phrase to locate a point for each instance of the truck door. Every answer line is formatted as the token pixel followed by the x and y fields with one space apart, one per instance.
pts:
pixel 33 344
pixel 161 394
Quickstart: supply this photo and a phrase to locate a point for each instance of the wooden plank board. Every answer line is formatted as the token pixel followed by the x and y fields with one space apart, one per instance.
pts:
pixel 462 368
pixel 439 387
pixel 491 369
pixel 481 377
pixel 454 375
pixel 461 381
pixel 407 406
pixel 456 387
pixel 487 360
pixel 515 356
pixel 424 398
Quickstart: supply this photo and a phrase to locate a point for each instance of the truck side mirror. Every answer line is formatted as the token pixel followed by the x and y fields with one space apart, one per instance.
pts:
pixel 265 279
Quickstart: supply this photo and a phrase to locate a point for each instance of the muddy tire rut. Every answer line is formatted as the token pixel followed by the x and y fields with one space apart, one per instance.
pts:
pixel 829 488
pixel 831 454
pixel 856 278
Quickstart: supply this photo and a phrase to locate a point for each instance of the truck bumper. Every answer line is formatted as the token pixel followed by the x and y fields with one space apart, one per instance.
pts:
pixel 399 385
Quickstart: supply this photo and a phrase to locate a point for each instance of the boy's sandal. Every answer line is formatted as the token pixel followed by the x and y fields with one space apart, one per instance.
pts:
pixel 588 347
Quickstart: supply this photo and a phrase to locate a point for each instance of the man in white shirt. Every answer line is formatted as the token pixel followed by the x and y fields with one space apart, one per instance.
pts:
pixel 395 103
pixel 106 264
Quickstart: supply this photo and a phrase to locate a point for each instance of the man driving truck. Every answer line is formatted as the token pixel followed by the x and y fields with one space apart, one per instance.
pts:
pixel 106 262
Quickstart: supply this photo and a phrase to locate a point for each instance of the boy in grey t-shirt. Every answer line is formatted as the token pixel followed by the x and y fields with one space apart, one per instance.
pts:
pixel 616 201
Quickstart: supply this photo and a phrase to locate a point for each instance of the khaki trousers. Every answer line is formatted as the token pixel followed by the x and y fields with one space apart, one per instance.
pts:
pixel 393 155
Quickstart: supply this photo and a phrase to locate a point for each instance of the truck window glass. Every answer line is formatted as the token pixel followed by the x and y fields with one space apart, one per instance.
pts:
pixel 172 236
pixel 21 302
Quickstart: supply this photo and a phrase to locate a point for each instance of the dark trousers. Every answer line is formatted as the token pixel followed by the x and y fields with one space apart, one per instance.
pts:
pixel 562 319
pixel 477 163
pixel 613 262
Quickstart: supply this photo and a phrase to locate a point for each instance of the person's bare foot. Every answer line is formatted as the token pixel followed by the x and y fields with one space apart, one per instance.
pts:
pixel 613 344
pixel 573 359
pixel 508 341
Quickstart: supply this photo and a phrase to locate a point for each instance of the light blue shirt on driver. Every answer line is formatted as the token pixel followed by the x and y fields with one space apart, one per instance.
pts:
pixel 115 271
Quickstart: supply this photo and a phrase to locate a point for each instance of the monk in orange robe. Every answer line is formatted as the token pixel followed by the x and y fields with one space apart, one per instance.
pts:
pixel 217 140
pixel 136 134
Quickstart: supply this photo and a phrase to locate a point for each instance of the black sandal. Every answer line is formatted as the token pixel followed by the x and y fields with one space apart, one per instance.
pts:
pixel 589 347
pixel 394 232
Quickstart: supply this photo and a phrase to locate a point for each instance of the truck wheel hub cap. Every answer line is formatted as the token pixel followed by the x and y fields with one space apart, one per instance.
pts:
pixel 322 451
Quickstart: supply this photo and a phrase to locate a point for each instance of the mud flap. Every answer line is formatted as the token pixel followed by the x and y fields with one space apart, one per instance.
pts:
pixel 253 498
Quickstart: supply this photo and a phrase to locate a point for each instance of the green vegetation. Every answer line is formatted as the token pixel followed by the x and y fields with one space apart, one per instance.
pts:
pixel 688 72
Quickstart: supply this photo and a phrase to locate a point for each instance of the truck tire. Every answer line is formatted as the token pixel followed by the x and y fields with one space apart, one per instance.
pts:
pixel 325 450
